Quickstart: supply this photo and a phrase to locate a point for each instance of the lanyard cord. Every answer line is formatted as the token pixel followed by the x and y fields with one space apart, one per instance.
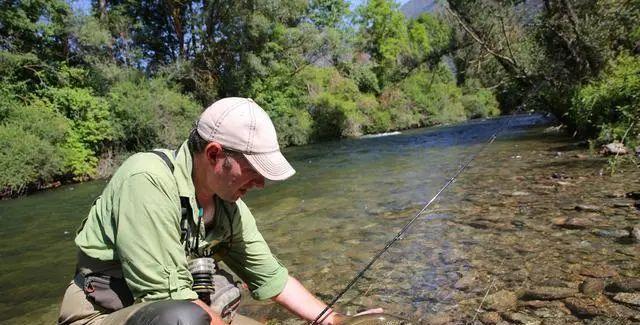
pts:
pixel 408 224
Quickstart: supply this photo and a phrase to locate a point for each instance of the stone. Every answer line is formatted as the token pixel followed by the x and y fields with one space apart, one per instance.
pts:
pixel 614 148
pixel 548 304
pixel 624 285
pixel 610 233
pixel 575 223
pixel 622 204
pixel 628 298
pixel 548 313
pixel 591 286
pixel 490 318
pixel 599 271
pixel 599 306
pixel 520 318
pixel 582 307
pixel 501 301
pixel 548 293
pixel 439 319
pixel 635 233
pixel 467 281
pixel 587 207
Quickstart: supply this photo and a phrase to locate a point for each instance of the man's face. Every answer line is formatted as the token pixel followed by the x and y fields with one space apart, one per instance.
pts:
pixel 236 176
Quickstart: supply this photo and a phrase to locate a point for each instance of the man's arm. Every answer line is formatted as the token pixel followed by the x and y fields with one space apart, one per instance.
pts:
pixel 298 300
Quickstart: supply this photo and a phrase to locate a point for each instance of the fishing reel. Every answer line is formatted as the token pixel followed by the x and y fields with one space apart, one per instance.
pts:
pixel 202 270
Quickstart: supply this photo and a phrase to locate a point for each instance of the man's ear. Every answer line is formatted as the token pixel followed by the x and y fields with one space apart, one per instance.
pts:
pixel 213 152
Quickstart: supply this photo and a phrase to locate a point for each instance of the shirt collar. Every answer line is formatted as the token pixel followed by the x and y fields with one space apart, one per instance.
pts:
pixel 183 172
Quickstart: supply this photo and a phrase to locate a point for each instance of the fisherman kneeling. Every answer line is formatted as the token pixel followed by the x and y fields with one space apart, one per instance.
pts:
pixel 148 249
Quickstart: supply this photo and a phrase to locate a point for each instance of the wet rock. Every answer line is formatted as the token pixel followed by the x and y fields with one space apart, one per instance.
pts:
pixel 628 298
pixel 635 233
pixel 490 318
pixel 622 205
pixel 548 304
pixel 587 207
pixel 439 319
pixel 548 313
pixel 501 301
pixel 610 233
pixel 467 281
pixel 549 293
pixel 599 271
pixel 616 194
pixel 614 148
pixel 515 193
pixel 574 223
pixel 592 286
pixel 599 306
pixel 553 282
pixel 520 318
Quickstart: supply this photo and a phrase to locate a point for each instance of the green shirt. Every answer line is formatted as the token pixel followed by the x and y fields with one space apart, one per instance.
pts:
pixel 136 221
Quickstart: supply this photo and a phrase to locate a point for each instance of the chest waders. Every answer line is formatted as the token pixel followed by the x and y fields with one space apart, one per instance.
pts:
pixel 104 285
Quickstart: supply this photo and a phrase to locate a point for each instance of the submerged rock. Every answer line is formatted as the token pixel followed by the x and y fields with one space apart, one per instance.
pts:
pixel 635 233
pixel 599 306
pixel 467 281
pixel 628 298
pixel 520 318
pixel 490 318
pixel 587 207
pixel 599 271
pixel 501 301
pixel 591 286
pixel 549 293
pixel 624 285
pixel 613 233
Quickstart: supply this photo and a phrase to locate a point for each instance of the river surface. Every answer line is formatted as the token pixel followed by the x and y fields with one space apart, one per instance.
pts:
pixel 507 224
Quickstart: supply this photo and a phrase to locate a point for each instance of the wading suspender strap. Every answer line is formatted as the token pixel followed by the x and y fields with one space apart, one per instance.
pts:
pixel 187 224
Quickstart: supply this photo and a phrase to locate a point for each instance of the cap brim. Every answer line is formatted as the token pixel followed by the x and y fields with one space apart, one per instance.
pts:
pixel 273 166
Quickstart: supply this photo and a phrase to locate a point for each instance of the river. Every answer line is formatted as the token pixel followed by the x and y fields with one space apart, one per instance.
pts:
pixel 535 211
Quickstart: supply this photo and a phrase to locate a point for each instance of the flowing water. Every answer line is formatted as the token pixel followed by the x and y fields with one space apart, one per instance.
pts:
pixel 506 225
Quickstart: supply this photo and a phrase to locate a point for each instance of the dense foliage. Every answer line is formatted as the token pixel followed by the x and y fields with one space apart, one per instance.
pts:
pixel 82 89
pixel 575 58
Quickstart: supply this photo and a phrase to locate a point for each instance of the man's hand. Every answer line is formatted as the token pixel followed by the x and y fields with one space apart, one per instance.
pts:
pixel 215 318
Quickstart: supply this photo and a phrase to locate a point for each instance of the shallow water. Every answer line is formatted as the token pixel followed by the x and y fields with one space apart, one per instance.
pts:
pixel 350 197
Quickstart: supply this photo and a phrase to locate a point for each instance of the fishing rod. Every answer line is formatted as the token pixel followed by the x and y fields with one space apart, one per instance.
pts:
pixel 398 236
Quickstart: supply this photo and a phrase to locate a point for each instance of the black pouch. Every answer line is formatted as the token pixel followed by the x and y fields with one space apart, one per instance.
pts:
pixel 108 292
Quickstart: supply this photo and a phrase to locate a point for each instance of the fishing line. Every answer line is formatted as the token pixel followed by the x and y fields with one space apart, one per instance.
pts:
pixel 408 224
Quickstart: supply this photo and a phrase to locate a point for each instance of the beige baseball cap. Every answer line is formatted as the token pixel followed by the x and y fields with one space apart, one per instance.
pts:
pixel 239 124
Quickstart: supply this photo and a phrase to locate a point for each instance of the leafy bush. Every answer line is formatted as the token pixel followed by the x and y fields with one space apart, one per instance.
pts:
pixel 24 159
pixel 335 117
pixel 610 106
pixel 285 101
pixel 478 101
pixel 31 140
pixel 150 113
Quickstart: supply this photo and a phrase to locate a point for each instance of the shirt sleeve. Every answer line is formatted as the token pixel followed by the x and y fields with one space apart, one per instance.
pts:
pixel 147 241
pixel 251 259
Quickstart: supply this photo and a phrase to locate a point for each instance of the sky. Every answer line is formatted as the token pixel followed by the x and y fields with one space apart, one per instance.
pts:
pixel 85 5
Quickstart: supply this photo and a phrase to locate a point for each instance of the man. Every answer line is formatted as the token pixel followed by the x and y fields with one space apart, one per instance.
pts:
pixel 161 204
